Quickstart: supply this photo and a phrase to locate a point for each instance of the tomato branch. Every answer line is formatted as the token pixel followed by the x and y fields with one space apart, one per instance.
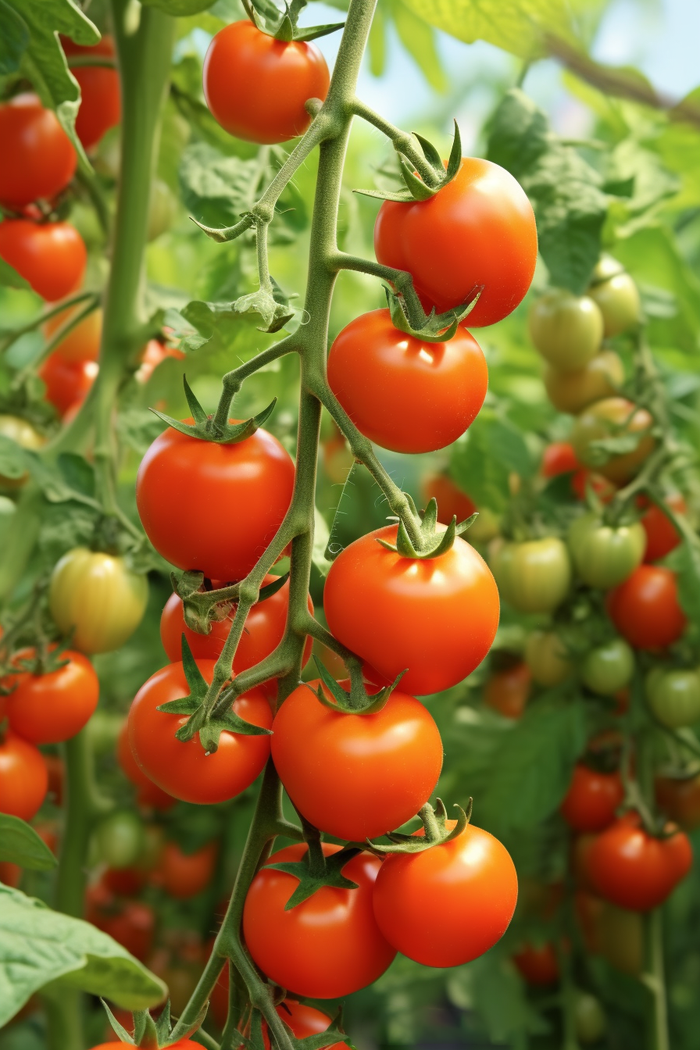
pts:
pixel 402 141
pixel 10 336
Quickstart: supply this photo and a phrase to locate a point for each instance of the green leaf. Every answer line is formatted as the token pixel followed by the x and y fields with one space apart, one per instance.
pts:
pixel 39 947
pixel 419 40
pixel 78 474
pixel 491 987
pixel 179 8
pixel 13 458
pixel 518 134
pixel 20 844
pixel 13 39
pixel 217 189
pixel 10 278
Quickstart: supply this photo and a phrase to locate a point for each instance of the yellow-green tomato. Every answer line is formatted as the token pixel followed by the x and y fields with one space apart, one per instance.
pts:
pixel 616 296
pixel 534 576
pixel 162 209
pixel 589 1018
pixel 547 658
pixel 567 329
pixel 573 391
pixel 608 668
pixel 674 696
pixel 613 417
pixel 120 839
pixel 604 555
pixel 23 433
pixel 98 597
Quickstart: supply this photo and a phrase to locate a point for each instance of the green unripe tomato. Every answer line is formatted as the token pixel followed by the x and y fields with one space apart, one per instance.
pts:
pixel 605 556
pixel 608 668
pixel 616 296
pixel 573 391
pixel 567 329
pixel 533 576
pixel 547 659
pixel 485 528
pixel 120 839
pixel 589 1018
pixel 613 417
pixel 674 697
pixel 162 209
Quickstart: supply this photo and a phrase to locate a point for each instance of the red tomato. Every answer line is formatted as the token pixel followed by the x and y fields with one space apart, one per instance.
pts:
pixel 263 632
pixel 257 473
pixel 57 777
pixel 24 778
pixel 662 536
pixel 583 479
pixel 326 947
pixel 184 770
pixel 256 86
pixel 155 352
pixel 131 923
pixel 508 691
pixel 67 382
pixel 51 256
pixel 370 773
pixel 559 458
pixel 49 708
pixel 184 875
pixel 478 231
pixel 39 160
pixel 633 869
pixel 100 103
pixel 401 392
pixel 473 885
pixel 645 608
pixel 126 882
pixel 10 874
pixel 437 617
pixel 149 794
pixel 592 798
pixel 451 501
pixel 538 964
pixel 83 342
pixel 679 798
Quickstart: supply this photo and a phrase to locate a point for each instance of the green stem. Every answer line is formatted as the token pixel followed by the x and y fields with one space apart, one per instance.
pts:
pixel 658 1036
pixel 64 1022
pixel 83 807
pixel 402 141
pixel 55 340
pixel 7 338
pixel 231 382
pixel 20 538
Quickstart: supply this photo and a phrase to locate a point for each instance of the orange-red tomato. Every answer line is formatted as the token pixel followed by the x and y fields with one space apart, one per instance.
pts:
pixel 477 232
pixel 473 885
pixel 100 103
pixel 256 87
pixel 184 875
pixel 256 474
pixel 183 769
pixel 508 691
pixel 67 382
pixel 404 393
pixel 10 874
pixel 437 617
pixel 50 708
pixel 155 352
pixel 23 776
pixel 583 479
pixel 326 947
pixel 83 342
pixel 370 772
pixel 592 798
pixel 148 793
pixel 559 458
pixel 662 536
pixel 645 608
pixel 451 501
pixel 538 963
pixel 51 256
pixel 38 158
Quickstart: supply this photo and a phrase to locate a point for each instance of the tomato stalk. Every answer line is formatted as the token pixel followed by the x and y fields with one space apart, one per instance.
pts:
pixel 653 978
pixel 58 337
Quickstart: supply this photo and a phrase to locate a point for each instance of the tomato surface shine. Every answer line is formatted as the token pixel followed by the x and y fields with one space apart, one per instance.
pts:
pixel 326 947
pixel 478 231
pixel 38 158
pixel 370 773
pixel 436 616
pixel 404 393
pixel 256 87
pixel 214 507
pixel 51 256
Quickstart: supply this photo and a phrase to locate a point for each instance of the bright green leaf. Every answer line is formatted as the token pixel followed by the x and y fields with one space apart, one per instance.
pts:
pixel 20 844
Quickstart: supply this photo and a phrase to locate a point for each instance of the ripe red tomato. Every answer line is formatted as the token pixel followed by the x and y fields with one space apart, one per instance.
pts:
pixel 184 875
pixel 451 501
pixel 39 160
pixel 538 963
pixel 256 86
pixel 148 793
pixel 559 458
pixel 24 778
pixel 645 608
pixel 184 770
pixel 634 870
pixel 83 342
pixel 49 708
pixel 679 798
pixel 437 617
pixel 264 629
pixel 326 947
pixel 131 923
pixel 51 256
pixel 370 773
pixel 592 798
pixel 67 382
pixel 478 231
pixel 662 536
pixel 155 352
pixel 257 473
pixel 404 393
pixel 583 479
pixel 508 691
pixel 100 103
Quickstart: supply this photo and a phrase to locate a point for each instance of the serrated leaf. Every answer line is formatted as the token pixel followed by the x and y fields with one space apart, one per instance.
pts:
pixel 20 844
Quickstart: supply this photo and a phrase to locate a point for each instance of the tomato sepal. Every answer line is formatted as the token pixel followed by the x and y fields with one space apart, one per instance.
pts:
pixel 416 188
pixel 438 328
pixel 313 875
pixel 205 428
pixel 286 28
pixel 436 827
pixel 354 702
pixel 150 1033
pixel 273 307
pixel 434 543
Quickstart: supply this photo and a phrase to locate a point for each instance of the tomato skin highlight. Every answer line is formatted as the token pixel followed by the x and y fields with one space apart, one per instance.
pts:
pixel 326 947
pixel 479 230
pixel 51 256
pixel 256 86
pixel 403 393
pixel 474 887
pixel 257 473
pixel 437 617
pixel 645 608
pixel 24 778
pixel 67 382
pixel 370 773
pixel 50 708
pixel 39 158
pixel 183 769
pixel 100 103
pixel 592 798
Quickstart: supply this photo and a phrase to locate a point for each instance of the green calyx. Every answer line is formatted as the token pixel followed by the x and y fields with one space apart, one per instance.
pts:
pixel 357 701
pixel 438 328
pixel 206 428
pixel 312 876
pixel 433 543
pixel 150 1034
pixel 437 832
pixel 202 607
pixel 266 17
pixel 417 188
